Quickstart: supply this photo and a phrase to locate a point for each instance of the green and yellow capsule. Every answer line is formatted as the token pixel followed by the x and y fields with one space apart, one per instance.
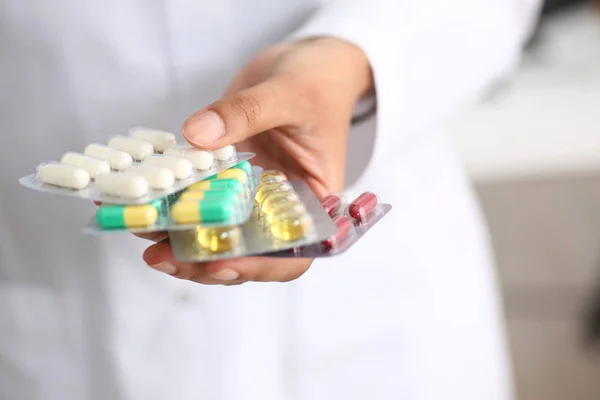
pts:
pixel 159 204
pixel 211 184
pixel 212 194
pixel 195 212
pixel 232 173
pixel 245 166
pixel 126 216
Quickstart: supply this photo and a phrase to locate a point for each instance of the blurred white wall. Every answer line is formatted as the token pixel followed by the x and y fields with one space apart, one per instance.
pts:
pixel 546 119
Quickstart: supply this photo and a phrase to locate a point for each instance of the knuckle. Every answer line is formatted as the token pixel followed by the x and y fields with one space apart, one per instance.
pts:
pixel 247 107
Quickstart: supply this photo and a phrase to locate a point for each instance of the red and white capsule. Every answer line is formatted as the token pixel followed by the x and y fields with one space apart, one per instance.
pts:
pixel 363 206
pixel 332 204
pixel 345 229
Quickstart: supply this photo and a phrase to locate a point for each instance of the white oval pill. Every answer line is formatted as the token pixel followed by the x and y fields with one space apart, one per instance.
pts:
pixel 201 159
pixel 136 148
pixel 117 159
pixel 122 184
pixel 62 175
pixel 158 178
pixel 93 166
pixel 225 153
pixel 159 139
pixel 181 168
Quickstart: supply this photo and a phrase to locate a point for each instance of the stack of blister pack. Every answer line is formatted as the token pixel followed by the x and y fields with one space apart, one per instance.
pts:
pixel 214 205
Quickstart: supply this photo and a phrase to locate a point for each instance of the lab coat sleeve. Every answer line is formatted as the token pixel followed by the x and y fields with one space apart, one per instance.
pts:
pixel 429 57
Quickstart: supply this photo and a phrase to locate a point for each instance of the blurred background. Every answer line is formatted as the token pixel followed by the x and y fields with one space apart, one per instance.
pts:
pixel 532 148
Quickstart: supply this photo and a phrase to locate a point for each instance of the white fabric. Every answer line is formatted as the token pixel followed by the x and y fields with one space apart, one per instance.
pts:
pixel 410 313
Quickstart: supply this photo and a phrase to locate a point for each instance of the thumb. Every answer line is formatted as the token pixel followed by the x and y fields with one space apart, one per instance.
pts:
pixel 243 114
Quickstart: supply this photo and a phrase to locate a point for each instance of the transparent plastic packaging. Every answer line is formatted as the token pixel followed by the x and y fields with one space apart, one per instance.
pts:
pixel 94 166
pixel 85 175
pixel 298 223
pixel 200 159
pixel 138 149
pixel 210 203
pixel 334 204
pixel 158 138
pixel 352 222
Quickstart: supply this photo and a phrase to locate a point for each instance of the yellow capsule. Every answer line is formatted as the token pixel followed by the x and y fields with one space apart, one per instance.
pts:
pixel 295 206
pixel 186 212
pixel 199 186
pixel 282 184
pixel 275 198
pixel 219 239
pixel 234 173
pixel 122 216
pixel 142 215
pixel 264 191
pixel 273 174
pixel 292 226
pixel 193 212
pixel 195 195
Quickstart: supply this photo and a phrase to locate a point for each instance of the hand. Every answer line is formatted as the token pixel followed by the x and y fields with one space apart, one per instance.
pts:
pixel 292 105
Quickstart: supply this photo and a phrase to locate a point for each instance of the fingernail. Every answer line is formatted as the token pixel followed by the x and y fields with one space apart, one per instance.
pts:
pixel 205 128
pixel 226 275
pixel 165 267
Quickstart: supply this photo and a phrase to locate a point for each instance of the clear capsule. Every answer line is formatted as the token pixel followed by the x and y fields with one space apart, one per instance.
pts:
pixel 276 198
pixel 270 181
pixel 285 208
pixel 219 239
pixel 291 226
pixel 265 190
pixel 273 174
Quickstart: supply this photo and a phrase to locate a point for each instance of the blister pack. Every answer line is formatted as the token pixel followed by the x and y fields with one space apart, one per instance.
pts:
pixel 222 200
pixel 137 169
pixel 286 215
pixel 352 220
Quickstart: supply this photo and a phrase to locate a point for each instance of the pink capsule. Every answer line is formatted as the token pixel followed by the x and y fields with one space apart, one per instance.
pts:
pixel 331 204
pixel 344 225
pixel 363 206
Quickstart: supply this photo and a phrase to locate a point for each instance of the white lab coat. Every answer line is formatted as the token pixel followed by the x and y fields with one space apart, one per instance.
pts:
pixel 410 313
